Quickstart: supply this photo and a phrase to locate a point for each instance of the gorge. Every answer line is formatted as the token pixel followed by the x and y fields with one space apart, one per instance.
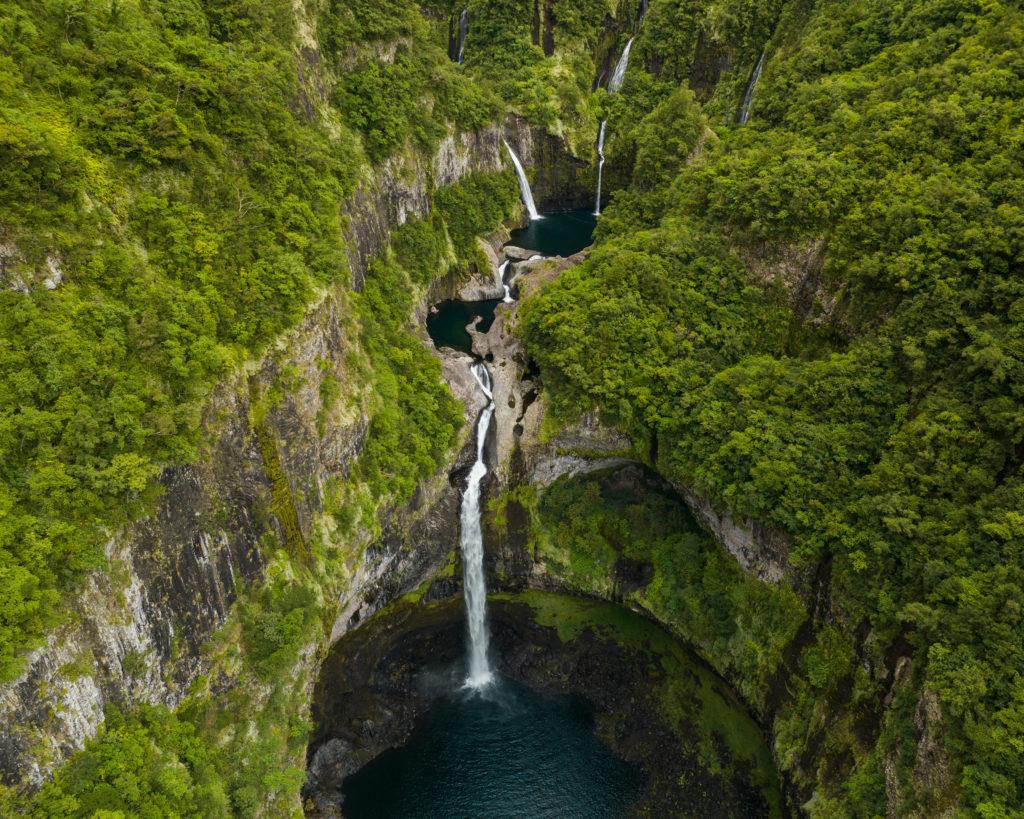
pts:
pixel 511 408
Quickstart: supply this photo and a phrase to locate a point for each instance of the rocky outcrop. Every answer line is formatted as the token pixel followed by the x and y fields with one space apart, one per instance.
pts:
pixel 760 550
pixel 17 274
pixel 399 189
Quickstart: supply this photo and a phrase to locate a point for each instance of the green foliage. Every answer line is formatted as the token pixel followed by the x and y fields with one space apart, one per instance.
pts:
pixel 419 248
pixel 149 764
pixel 172 161
pixel 277 621
pixel 878 421
pixel 582 528
pixel 416 417
pixel 476 206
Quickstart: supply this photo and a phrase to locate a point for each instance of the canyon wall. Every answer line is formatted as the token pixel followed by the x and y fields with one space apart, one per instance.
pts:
pixel 137 631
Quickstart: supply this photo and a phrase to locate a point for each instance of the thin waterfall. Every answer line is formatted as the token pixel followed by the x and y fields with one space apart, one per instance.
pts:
pixel 600 165
pixel 524 184
pixel 507 298
pixel 614 84
pixel 472 542
pixel 743 115
pixel 463 31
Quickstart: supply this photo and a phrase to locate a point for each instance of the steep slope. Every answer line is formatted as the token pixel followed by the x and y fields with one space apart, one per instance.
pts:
pixel 814 322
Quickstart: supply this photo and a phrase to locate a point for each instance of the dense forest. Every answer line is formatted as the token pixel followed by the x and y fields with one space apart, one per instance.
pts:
pixel 817 323
pixel 815 320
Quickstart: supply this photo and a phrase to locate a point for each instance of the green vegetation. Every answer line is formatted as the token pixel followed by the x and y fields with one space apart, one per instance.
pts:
pixel 814 320
pixel 184 169
pixel 245 721
pixel 581 529
pixel 818 322
pixel 153 765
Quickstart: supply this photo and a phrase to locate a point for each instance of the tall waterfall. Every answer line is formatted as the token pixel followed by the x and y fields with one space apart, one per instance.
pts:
pixel 614 84
pixel 463 31
pixel 600 164
pixel 524 184
pixel 748 96
pixel 472 542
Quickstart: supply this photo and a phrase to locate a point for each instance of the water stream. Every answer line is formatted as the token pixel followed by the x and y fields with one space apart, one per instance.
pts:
pixel 524 185
pixel 478 664
pixel 614 84
pixel 619 75
pixel 743 116
pixel 600 164
pixel 463 31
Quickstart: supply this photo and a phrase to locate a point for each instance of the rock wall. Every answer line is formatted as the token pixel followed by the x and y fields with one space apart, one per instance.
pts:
pixel 137 632
pixel 401 187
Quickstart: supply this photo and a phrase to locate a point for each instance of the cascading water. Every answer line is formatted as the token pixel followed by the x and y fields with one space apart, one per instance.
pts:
pixel 614 84
pixel 524 184
pixel 463 31
pixel 479 672
pixel 748 96
pixel 619 75
pixel 600 165
pixel 507 298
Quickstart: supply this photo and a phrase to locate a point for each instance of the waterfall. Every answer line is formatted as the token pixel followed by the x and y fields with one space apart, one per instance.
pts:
pixel 600 165
pixel 472 542
pixel 615 83
pixel 524 184
pixel 748 96
pixel 463 31
pixel 507 298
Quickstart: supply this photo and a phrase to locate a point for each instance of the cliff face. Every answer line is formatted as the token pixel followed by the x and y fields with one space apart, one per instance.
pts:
pixel 273 443
pixel 530 456
pixel 138 631
pixel 400 188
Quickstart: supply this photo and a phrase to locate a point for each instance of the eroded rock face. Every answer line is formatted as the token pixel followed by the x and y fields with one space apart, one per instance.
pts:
pixel 17 274
pixel 137 631
pixel 760 550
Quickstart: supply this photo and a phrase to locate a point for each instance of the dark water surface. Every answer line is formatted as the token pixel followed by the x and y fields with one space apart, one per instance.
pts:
pixel 514 753
pixel 558 234
pixel 447 327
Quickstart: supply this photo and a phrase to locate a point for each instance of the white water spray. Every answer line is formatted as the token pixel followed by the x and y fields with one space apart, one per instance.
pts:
pixel 748 95
pixel 524 184
pixel 507 298
pixel 472 542
pixel 619 75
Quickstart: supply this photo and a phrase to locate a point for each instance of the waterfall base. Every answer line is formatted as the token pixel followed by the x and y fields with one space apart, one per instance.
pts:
pixel 393 688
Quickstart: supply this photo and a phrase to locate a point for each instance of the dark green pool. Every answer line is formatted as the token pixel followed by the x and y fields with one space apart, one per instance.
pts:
pixel 561 233
pixel 447 325
pixel 513 754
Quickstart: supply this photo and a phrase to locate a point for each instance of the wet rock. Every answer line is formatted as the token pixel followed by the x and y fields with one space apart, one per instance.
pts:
pixel 518 254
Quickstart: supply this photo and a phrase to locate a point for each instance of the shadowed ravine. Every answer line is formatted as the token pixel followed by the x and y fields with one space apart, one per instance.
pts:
pixel 537 704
